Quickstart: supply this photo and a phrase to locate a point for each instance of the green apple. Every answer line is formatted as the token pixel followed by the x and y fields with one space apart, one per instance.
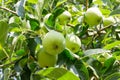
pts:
pixel 45 59
pixel 53 42
pixel 93 16
pixel 64 17
pixel 117 1
pixel 73 43
pixel 108 21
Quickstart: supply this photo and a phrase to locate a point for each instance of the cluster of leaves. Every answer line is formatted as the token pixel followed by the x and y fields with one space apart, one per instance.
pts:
pixel 97 59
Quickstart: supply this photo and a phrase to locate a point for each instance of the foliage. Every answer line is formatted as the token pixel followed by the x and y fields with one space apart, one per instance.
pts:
pixel 22 28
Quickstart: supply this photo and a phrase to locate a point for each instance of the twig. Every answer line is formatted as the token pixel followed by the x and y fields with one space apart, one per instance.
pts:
pixel 6 65
pixel 6 9
pixel 86 4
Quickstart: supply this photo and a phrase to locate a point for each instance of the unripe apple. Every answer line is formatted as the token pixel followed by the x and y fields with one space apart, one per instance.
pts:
pixel 117 1
pixel 93 16
pixel 108 21
pixel 45 59
pixel 53 42
pixel 64 17
pixel 73 43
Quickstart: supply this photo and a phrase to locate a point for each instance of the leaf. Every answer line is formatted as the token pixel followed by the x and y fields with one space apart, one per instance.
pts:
pixel 2 53
pixel 58 74
pixel 51 22
pixel 3 31
pixel 82 70
pixel 20 8
pixel 58 11
pixel 6 73
pixel 60 3
pixel 107 65
pixel 32 46
pixel 20 52
pixel 114 76
pixel 52 19
pixel 34 24
pixel 114 12
pixel 95 51
pixel 32 1
pixel 112 45
pixel 69 54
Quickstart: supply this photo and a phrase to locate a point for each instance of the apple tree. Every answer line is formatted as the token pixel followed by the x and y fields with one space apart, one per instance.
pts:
pixel 59 39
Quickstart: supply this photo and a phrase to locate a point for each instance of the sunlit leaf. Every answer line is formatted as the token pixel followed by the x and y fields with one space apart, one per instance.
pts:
pixel 62 74
pixel 112 45
pixel 32 1
pixel 95 51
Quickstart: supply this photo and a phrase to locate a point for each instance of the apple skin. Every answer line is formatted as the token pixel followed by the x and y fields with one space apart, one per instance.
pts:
pixel 64 17
pixel 45 59
pixel 73 43
pixel 53 42
pixel 108 21
pixel 93 16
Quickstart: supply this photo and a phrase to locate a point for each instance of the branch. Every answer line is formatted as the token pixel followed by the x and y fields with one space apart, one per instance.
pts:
pixel 8 64
pixel 86 4
pixel 6 9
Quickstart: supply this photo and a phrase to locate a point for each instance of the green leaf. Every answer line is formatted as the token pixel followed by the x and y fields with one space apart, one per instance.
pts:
pixel 14 19
pixel 58 74
pixel 60 3
pixel 114 76
pixel 51 22
pixel 58 11
pixel 20 52
pixel 112 45
pixel 107 65
pixel 82 70
pixel 6 73
pixel 34 24
pixel 2 53
pixel 114 12
pixel 32 1
pixel 95 51
pixel 32 46
pixel 69 54
pixel 3 31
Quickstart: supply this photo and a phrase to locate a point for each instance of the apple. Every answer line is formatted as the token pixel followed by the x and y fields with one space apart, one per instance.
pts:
pixel 53 42
pixel 45 59
pixel 117 1
pixel 73 43
pixel 93 16
pixel 108 21
pixel 64 17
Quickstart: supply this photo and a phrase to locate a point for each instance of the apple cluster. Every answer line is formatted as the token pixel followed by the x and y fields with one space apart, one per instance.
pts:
pixel 93 17
pixel 53 44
